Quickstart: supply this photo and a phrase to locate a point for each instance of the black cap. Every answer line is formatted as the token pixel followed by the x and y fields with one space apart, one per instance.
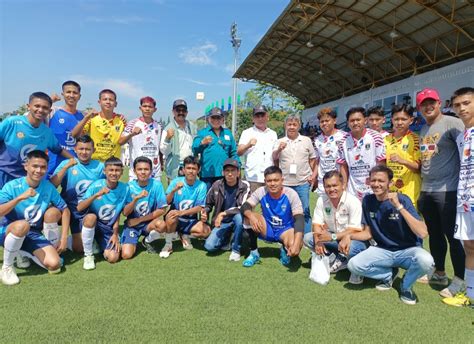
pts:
pixel 259 109
pixel 216 112
pixel 179 102
pixel 231 162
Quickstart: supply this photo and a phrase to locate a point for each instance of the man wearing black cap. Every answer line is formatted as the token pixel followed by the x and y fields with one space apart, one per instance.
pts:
pixel 225 197
pixel 177 139
pixel 256 144
pixel 215 144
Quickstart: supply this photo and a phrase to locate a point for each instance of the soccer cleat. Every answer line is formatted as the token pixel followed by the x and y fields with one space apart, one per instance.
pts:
pixel 22 262
pixel 284 258
pixel 435 279
pixel 54 272
pixel 408 297
pixel 166 250
pixel 9 276
pixel 356 279
pixel 234 257
pixel 89 263
pixel 459 300
pixel 338 265
pixel 186 241
pixel 457 286
pixel 251 260
pixel 149 247
pixel 384 285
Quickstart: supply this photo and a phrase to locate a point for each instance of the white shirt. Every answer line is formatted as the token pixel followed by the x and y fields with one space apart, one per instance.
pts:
pixel 465 192
pixel 258 157
pixel 347 214
pixel 185 143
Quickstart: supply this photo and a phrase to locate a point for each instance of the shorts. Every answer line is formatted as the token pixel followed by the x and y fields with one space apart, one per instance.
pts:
pixel 103 233
pixel 131 235
pixel 33 240
pixel 76 221
pixel 5 178
pixel 184 227
pixel 274 234
pixel 464 228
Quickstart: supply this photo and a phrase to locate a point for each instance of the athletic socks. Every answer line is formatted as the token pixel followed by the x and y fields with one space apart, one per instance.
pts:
pixel 51 232
pixel 168 238
pixel 11 246
pixel 154 235
pixel 469 276
pixel 87 240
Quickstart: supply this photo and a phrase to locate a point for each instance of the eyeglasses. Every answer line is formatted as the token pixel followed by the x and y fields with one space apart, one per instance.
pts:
pixel 260 114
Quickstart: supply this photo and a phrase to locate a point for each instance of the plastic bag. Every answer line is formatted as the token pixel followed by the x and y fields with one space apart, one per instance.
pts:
pixel 319 269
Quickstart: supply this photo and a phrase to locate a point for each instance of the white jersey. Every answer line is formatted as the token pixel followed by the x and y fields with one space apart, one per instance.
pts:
pixel 360 156
pixel 327 151
pixel 146 144
pixel 465 195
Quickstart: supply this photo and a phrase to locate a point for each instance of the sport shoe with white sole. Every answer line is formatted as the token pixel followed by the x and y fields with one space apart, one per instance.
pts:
pixel 186 241
pixel 22 262
pixel 89 263
pixel 356 279
pixel 408 297
pixel 234 257
pixel 166 250
pixel 9 276
pixel 435 279
pixel 457 286
pixel 338 265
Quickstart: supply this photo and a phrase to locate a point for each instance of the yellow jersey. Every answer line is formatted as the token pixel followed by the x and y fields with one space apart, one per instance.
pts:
pixel 106 134
pixel 408 148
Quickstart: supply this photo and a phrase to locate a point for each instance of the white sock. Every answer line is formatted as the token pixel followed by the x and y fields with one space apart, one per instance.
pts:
pixel 33 258
pixel 87 239
pixel 154 235
pixel 255 252
pixel 11 246
pixel 469 278
pixel 169 238
pixel 51 232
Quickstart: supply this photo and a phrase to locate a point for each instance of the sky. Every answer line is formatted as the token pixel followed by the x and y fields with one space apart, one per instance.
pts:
pixel 167 49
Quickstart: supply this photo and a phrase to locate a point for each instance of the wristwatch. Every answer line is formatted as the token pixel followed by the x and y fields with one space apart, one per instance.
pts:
pixel 333 236
pixel 400 207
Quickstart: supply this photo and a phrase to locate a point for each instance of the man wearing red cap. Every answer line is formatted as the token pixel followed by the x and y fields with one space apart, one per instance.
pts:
pixel 143 135
pixel 437 201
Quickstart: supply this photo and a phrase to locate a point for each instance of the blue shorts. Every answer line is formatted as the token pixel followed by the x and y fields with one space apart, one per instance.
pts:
pixel 103 233
pixel 274 234
pixel 184 227
pixel 33 240
pixel 130 235
pixel 76 221
pixel 4 178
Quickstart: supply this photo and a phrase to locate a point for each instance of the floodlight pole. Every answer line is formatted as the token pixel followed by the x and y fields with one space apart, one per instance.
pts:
pixel 236 44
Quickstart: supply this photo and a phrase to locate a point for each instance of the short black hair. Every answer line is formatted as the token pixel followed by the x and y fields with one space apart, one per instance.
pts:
pixel 142 159
pixel 461 92
pixel 37 154
pixel 191 160
pixel 384 169
pixel 40 95
pixel 333 173
pixel 407 108
pixel 71 83
pixel 327 111
pixel 353 110
pixel 84 139
pixel 272 170
pixel 113 161
pixel 377 110
pixel 107 90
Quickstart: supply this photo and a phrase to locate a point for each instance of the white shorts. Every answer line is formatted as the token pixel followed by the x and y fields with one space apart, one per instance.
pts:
pixel 464 229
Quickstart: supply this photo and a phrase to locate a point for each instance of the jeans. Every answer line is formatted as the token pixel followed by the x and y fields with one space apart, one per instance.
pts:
pixel 303 193
pixel 377 263
pixel 332 246
pixel 219 235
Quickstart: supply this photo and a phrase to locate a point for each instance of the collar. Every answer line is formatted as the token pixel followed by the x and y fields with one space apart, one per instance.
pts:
pixel 296 139
pixel 262 131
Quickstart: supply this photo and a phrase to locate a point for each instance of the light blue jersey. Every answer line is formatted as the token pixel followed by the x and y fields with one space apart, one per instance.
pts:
pixel 156 199
pixel 77 179
pixel 189 196
pixel 17 138
pixel 109 206
pixel 33 208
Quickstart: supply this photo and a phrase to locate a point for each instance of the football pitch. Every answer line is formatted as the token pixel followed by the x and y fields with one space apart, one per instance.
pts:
pixel 196 297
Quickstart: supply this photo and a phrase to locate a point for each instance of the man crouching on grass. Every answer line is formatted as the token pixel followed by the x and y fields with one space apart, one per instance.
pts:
pixel 281 220
pixel 25 203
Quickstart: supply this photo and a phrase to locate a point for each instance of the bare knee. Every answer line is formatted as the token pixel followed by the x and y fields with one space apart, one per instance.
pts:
pixel 19 228
pixel 52 215
pixel 469 247
pixel 90 220
pixel 112 256
pixel 128 252
pixel 52 262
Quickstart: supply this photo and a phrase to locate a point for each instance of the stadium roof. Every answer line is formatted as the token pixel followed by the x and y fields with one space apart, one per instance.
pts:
pixel 320 51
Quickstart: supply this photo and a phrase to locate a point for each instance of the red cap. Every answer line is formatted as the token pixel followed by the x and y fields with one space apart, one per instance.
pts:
pixel 148 100
pixel 427 93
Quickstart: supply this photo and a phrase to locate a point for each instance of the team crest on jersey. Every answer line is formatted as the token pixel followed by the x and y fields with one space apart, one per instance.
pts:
pixel 283 207
pixel 394 216
pixel 117 128
pixel 74 172
pixel 327 210
pixel 405 147
pixel 367 146
pixel 20 135
pixel 32 213
pixel 106 212
pixel 276 221
pixel 25 150
pixel 267 205
pixel 61 120
pixel 142 208
pixel 82 186
pixel 372 215
pixel 186 204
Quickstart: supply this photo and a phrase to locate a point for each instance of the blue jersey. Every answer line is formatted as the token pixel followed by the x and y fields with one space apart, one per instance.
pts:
pixel 76 181
pixel 189 196
pixel 156 199
pixel 61 124
pixel 17 138
pixel 108 207
pixel 33 208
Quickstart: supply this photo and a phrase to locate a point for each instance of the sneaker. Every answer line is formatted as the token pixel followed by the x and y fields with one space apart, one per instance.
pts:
pixel 227 247
pixel 457 286
pixel 186 241
pixel 435 279
pixel 408 297
pixel 356 279
pixel 149 247
pixel 384 285
pixel 284 258
pixel 9 276
pixel 89 263
pixel 459 300
pixel 166 250
pixel 251 260
pixel 338 265
pixel 22 262
pixel 54 272
pixel 234 257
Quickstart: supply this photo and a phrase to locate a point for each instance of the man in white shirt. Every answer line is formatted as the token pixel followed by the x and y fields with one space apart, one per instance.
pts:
pixel 256 144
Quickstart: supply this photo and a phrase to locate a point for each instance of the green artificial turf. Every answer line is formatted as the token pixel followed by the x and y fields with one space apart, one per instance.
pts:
pixel 196 297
